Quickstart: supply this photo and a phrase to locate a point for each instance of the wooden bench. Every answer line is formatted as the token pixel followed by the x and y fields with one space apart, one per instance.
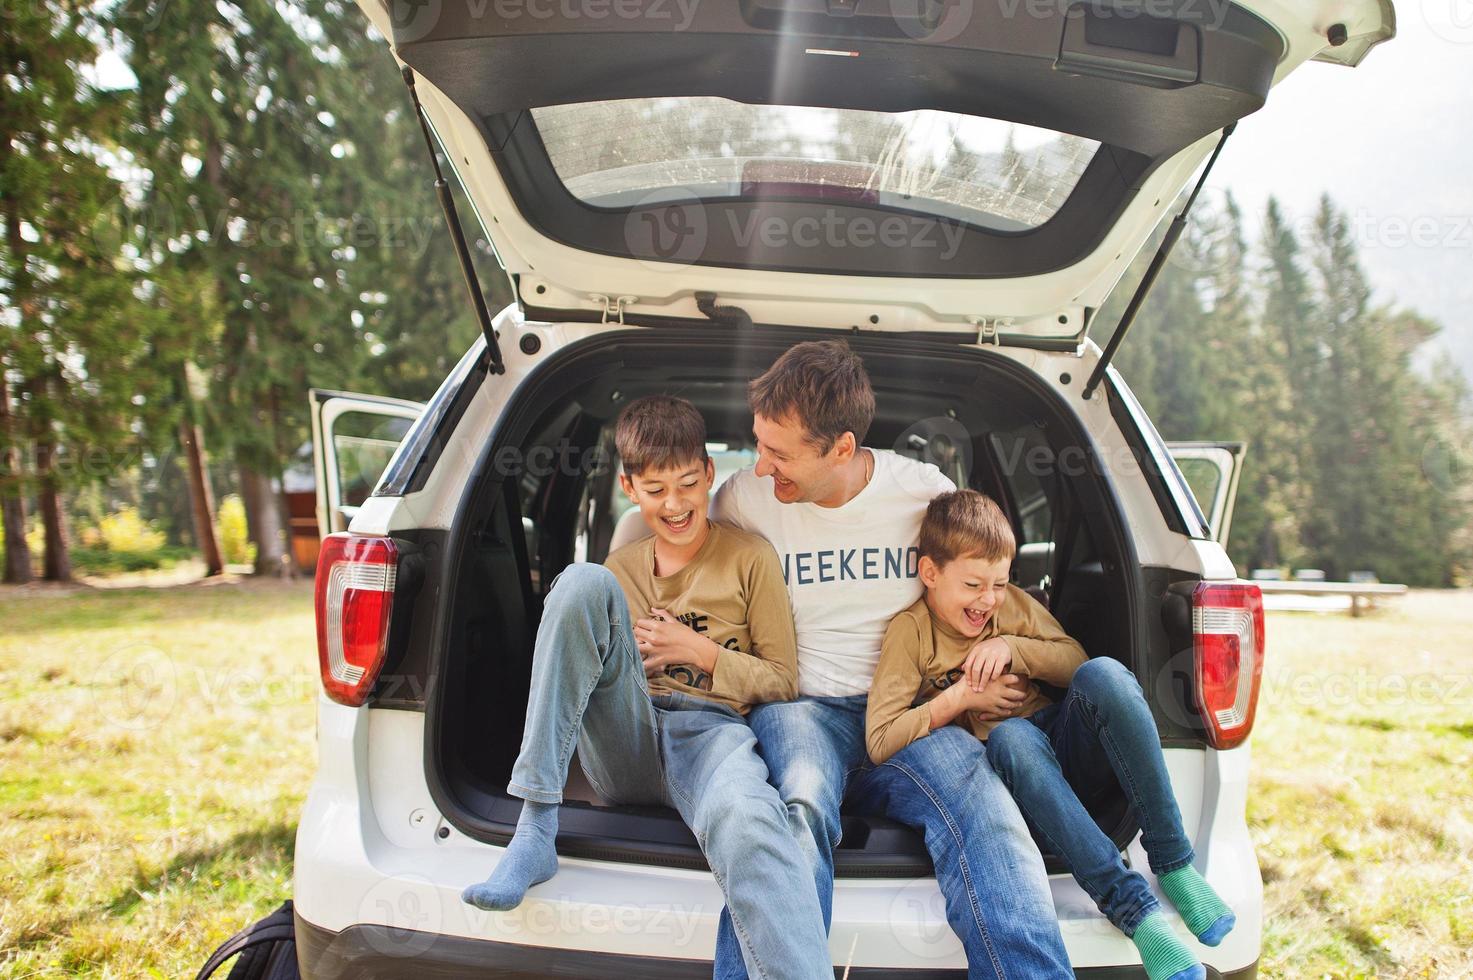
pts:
pixel 1363 595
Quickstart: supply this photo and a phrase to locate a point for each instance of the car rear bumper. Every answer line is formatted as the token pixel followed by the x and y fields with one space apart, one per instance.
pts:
pixel 374 952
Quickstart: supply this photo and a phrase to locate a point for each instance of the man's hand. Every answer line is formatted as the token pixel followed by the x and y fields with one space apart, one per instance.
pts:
pixel 664 640
pixel 988 661
pixel 997 699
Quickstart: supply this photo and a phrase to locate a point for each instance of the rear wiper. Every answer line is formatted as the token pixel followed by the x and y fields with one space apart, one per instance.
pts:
pixel 1178 225
pixel 447 204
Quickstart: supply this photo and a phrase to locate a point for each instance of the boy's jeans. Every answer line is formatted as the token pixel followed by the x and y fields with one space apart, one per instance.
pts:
pixel 1098 740
pixel 588 687
pixel 991 875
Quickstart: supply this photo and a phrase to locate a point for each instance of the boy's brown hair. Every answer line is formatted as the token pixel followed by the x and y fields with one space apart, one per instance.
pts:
pixel 658 432
pixel 823 385
pixel 966 524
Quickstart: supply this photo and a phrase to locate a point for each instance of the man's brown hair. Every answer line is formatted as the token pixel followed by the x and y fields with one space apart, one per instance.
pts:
pixel 823 385
pixel 658 432
pixel 966 524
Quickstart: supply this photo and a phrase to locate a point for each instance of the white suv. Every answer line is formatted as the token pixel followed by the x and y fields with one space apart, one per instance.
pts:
pixel 678 194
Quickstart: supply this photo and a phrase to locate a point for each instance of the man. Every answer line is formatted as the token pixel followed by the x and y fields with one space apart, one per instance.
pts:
pixel 845 521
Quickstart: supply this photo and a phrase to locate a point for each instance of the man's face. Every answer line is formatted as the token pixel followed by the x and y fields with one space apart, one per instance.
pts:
pixel 673 500
pixel 965 592
pixel 799 471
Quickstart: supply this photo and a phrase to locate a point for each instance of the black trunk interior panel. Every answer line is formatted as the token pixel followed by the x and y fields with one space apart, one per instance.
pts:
pixel 518 526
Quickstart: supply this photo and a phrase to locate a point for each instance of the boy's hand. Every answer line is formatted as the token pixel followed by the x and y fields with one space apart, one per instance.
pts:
pixel 664 640
pixel 997 699
pixel 988 661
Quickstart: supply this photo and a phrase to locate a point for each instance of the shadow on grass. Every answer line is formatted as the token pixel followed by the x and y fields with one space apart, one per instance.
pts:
pixel 1351 931
pixel 1374 724
pixel 1366 943
pixel 273 842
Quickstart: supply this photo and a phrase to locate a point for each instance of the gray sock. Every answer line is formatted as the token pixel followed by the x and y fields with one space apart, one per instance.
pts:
pixel 530 858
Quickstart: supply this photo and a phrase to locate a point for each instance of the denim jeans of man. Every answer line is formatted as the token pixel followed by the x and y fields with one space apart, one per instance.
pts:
pixel 987 866
pixel 1075 755
pixel 589 690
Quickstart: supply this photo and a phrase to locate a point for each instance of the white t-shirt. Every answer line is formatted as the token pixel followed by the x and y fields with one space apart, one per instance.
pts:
pixel 849 569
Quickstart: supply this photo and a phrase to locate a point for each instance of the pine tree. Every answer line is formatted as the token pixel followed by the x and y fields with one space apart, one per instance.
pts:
pixel 1286 338
pixel 1259 412
pixel 238 125
pixel 1340 437
pixel 411 314
pixel 74 351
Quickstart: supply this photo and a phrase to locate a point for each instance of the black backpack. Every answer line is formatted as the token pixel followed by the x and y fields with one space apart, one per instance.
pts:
pixel 268 950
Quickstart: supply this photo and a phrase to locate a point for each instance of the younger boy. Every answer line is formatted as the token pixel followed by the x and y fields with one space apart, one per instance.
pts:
pixel 649 663
pixel 968 652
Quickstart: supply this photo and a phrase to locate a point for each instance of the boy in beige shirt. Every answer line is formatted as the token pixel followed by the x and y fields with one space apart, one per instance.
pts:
pixel 649 663
pixel 969 652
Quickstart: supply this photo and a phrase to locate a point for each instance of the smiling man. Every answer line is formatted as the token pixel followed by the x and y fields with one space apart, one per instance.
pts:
pixel 845 521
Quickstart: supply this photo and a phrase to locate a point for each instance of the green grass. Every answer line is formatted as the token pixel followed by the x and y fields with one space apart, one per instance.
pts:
pixel 1362 802
pixel 156 746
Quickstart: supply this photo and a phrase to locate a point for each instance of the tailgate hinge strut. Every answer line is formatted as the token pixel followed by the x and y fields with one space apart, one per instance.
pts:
pixel 1158 261
pixel 613 309
pixel 989 331
pixel 457 236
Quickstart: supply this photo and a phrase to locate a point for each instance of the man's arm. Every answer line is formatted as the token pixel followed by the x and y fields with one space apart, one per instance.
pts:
pixel 1040 647
pixel 768 671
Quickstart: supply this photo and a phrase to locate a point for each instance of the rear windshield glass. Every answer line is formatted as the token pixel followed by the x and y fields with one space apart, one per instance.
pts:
pixel 995 174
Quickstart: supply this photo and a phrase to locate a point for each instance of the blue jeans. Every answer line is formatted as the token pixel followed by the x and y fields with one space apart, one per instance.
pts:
pixel 1084 750
pixel 989 870
pixel 699 757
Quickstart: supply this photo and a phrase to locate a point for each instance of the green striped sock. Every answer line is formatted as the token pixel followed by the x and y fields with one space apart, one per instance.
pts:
pixel 1164 956
pixel 1205 914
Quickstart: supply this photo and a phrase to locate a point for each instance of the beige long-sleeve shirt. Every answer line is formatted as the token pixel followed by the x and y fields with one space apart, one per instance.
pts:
pixel 922 656
pixel 731 592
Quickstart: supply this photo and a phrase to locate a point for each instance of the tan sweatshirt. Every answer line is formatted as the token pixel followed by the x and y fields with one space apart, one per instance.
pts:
pixel 922 656
pixel 731 592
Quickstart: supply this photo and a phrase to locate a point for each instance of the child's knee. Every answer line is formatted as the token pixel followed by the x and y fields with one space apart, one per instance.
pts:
pixel 1011 741
pixel 583 586
pixel 583 577
pixel 1106 679
pixel 740 825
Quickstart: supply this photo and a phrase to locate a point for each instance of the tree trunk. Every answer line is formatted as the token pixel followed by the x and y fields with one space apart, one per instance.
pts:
pixel 264 521
pixel 201 497
pixel 57 565
pixel 12 500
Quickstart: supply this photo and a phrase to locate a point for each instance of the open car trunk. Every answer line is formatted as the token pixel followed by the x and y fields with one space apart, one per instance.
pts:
pixel 545 494
pixel 924 166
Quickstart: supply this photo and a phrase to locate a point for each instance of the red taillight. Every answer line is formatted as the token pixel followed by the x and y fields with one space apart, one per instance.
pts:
pixel 354 599
pixel 1227 639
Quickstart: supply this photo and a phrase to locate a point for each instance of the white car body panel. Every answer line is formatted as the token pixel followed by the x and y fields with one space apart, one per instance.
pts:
pixel 369 850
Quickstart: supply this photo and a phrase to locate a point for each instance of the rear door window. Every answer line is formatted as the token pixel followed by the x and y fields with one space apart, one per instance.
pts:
pixel 986 172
